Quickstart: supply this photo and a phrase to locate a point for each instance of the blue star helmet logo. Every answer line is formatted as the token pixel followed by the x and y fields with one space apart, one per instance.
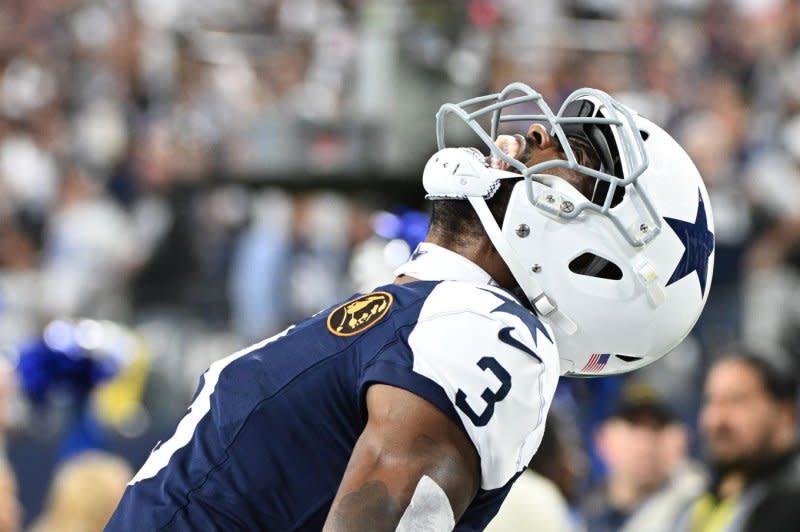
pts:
pixel 698 243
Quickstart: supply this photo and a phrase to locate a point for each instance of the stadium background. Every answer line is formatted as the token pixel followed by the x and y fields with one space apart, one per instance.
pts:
pixel 178 179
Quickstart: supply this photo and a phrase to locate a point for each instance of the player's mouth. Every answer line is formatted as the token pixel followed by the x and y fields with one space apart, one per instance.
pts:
pixel 515 146
pixel 525 148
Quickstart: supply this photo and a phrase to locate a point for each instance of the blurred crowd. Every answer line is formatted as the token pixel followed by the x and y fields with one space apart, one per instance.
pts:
pixel 180 178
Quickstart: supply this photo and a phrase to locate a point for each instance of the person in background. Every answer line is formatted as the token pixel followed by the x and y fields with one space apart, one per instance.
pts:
pixel 684 481
pixel 259 263
pixel 10 508
pixel 748 424
pixel 84 493
pixel 382 242
pixel 89 250
pixel 20 300
pixel 539 500
pixel 649 479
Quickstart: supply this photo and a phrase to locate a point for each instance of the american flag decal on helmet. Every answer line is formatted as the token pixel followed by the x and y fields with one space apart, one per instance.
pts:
pixel 596 362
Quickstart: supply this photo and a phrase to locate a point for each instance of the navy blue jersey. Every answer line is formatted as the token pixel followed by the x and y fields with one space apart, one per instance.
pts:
pixel 266 441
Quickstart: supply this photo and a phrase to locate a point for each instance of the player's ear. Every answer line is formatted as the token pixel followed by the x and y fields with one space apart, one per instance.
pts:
pixel 541 136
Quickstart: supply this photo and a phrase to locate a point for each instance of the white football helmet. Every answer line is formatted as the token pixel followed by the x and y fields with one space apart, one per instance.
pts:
pixel 621 277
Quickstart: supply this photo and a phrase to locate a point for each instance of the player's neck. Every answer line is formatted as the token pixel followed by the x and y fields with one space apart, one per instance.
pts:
pixel 480 251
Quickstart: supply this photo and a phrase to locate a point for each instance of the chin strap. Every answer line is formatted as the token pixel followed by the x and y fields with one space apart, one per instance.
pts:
pixel 525 277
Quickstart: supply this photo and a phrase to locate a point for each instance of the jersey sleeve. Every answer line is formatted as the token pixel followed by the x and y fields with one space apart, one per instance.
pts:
pixel 487 372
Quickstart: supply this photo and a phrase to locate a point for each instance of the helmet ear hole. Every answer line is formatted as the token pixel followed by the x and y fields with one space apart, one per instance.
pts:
pixel 644 134
pixel 592 265
pixel 627 358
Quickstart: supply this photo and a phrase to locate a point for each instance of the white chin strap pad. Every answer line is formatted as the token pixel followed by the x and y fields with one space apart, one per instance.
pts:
pixel 525 277
pixel 429 509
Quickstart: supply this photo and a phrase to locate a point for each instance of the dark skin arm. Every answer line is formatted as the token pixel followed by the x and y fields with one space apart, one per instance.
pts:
pixel 406 437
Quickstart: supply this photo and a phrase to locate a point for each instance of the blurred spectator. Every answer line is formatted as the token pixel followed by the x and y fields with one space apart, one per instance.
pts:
pixel 539 500
pixel 88 373
pixel 20 301
pixel 715 149
pixel 382 242
pixel 749 425
pixel 28 171
pixel 163 219
pixel 773 260
pixel 10 508
pixel 320 242
pixel 89 251
pixel 259 267
pixel 84 493
pixel 218 217
pixel 649 480
pixel 685 480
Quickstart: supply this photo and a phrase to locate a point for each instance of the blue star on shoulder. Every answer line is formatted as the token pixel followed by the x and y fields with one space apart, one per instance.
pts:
pixel 417 254
pixel 531 320
pixel 698 243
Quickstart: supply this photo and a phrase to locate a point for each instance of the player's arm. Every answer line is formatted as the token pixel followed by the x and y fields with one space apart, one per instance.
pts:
pixel 406 439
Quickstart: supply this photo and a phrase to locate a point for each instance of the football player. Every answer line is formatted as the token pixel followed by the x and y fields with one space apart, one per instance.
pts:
pixel 583 248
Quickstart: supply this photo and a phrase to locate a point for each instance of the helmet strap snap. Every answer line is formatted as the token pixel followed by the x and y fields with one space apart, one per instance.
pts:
pixel 543 305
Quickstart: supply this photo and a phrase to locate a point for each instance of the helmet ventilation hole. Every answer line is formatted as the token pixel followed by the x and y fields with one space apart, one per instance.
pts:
pixel 592 265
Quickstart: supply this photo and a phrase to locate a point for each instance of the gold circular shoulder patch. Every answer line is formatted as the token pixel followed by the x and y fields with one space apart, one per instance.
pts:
pixel 360 314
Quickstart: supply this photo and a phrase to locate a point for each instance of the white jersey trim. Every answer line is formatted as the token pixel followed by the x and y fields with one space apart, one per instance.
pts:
pixel 430 262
